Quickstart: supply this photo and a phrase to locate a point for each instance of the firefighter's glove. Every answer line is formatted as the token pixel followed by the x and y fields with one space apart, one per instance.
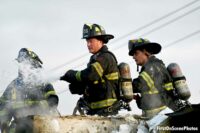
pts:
pixel 77 88
pixel 53 100
pixel 69 76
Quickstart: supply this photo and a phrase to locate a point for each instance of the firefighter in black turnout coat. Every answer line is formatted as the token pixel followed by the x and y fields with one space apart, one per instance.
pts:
pixel 25 97
pixel 154 83
pixel 99 81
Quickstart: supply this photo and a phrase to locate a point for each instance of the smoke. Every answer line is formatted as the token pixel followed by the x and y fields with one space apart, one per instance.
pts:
pixel 36 76
pixel 29 82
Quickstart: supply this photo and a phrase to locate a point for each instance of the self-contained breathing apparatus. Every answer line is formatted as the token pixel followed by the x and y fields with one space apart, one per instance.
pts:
pixel 181 89
pixel 124 94
pixel 125 82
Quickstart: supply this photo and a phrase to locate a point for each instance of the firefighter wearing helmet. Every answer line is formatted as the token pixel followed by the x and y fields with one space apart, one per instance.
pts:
pixel 24 98
pixel 154 83
pixel 99 80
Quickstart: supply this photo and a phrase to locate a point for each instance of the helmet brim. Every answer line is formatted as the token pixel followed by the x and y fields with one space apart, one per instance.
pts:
pixel 107 36
pixel 153 48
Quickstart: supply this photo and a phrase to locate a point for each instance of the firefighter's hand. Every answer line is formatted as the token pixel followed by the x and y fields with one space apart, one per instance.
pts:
pixel 136 97
pixel 69 76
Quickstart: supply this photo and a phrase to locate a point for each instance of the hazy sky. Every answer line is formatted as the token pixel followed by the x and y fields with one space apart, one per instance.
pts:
pixel 53 29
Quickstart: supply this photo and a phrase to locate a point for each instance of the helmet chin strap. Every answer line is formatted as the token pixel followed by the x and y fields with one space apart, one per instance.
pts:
pixel 148 54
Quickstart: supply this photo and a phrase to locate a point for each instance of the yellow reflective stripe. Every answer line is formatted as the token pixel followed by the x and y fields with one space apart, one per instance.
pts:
pixel 17 105
pixel 31 53
pixel 50 93
pixel 151 92
pixel 150 83
pixel 103 103
pixel 96 82
pixel 78 76
pixel 155 110
pixel 98 68
pixel 90 25
pixel 44 103
pixel 97 29
pixel 168 86
pixel 112 76
pixel 148 80
pixel 29 103
pixel 14 95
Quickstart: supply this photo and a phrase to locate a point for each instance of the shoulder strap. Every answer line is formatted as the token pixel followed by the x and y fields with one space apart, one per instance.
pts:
pixel 112 55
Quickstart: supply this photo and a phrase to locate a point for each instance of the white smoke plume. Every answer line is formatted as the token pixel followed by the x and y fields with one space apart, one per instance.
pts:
pixel 33 79
pixel 36 76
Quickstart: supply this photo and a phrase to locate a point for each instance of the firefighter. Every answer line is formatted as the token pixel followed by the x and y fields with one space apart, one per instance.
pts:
pixel 153 84
pixel 99 80
pixel 24 98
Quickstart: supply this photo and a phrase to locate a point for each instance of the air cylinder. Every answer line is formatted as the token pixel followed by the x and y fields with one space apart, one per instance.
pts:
pixel 179 81
pixel 125 82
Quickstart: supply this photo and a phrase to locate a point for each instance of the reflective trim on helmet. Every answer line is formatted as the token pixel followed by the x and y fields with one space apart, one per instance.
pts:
pixel 98 68
pixel 112 76
pixel 89 25
pixel 97 29
pixel 103 103
pixel 140 40
pixel 168 86
pixel 78 76
pixel 150 83
pixel 31 53
pixel 27 54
